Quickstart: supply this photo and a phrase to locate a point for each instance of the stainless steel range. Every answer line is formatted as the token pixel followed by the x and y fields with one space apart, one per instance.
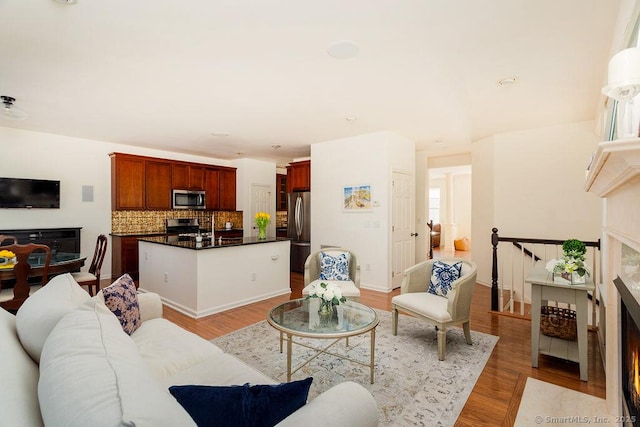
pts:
pixel 184 229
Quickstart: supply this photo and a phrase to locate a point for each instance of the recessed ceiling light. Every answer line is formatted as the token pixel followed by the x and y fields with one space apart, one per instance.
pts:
pixel 509 81
pixel 351 119
pixel 66 1
pixel 276 146
pixel 343 49
pixel 220 133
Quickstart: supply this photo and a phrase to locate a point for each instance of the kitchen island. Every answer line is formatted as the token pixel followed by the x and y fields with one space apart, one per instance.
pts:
pixel 202 278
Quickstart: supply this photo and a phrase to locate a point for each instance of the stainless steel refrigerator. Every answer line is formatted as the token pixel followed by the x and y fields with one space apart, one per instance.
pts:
pixel 299 228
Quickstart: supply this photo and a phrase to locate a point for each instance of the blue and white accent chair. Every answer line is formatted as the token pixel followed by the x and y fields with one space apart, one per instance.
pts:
pixel 432 292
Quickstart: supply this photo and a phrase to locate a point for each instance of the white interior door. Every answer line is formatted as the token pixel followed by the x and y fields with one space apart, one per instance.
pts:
pixel 403 226
pixel 261 202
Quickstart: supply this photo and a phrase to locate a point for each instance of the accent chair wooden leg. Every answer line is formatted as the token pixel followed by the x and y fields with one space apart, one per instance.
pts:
pixel 442 342
pixel 394 320
pixel 467 332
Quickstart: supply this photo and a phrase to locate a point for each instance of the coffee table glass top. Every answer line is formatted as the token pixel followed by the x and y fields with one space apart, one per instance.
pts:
pixel 301 317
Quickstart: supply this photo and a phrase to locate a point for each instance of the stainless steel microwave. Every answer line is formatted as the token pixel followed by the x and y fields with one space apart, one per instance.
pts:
pixel 188 199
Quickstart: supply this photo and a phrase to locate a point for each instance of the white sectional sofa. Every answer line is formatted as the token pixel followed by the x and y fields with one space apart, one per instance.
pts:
pixel 65 361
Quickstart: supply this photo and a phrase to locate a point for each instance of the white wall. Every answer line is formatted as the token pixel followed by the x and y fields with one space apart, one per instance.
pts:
pixel 251 172
pixel 422 206
pixel 531 184
pixel 482 206
pixel 365 159
pixel 462 205
pixel 75 162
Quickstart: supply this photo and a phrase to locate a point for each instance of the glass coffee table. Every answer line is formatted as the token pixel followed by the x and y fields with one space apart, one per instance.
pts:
pixel 300 318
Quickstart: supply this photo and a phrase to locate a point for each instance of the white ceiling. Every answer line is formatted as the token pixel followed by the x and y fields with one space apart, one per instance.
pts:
pixel 167 74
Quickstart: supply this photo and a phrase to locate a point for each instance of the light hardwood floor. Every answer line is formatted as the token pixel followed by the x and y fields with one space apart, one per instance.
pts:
pixel 495 397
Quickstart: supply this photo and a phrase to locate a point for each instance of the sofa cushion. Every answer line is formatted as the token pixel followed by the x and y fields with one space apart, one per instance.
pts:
pixel 91 375
pixel 218 369
pixel 246 405
pixel 19 402
pixel 122 299
pixel 168 349
pixel 442 276
pixel 334 265
pixel 41 312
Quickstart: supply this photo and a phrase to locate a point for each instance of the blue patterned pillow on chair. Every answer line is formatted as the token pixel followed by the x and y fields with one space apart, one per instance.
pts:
pixel 442 276
pixel 334 267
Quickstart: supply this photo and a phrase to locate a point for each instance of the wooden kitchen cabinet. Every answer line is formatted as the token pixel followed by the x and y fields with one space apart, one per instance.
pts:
pixel 299 176
pixel 227 189
pixel 139 182
pixel 187 177
pixel 157 185
pixel 281 192
pixel 127 182
pixel 124 256
pixel 212 188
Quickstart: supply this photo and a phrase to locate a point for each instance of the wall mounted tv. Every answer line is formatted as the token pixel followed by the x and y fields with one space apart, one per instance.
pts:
pixel 29 193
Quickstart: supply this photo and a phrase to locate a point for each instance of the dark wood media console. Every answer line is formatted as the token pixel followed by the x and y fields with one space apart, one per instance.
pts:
pixel 58 239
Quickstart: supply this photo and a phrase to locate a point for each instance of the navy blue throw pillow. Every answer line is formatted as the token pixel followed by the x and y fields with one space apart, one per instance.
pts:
pixel 242 405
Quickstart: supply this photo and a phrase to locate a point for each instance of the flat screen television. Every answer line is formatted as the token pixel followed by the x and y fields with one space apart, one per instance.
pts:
pixel 29 193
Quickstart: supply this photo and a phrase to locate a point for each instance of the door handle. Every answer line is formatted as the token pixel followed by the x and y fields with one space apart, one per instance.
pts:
pixel 414 234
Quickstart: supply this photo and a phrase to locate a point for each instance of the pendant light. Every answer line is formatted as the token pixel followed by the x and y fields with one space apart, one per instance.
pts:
pixel 8 111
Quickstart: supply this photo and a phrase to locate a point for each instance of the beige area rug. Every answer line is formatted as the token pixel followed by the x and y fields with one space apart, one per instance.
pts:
pixel 412 387
pixel 546 404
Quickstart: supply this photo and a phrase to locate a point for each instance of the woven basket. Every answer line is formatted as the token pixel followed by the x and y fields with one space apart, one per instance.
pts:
pixel 558 322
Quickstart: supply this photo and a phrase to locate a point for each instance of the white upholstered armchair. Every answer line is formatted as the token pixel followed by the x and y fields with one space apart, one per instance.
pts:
pixel 440 311
pixel 350 283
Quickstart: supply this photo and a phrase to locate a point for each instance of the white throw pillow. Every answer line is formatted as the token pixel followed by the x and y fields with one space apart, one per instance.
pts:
pixel 40 313
pixel 92 375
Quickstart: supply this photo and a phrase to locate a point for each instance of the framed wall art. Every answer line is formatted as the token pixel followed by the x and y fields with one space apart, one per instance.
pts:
pixel 356 198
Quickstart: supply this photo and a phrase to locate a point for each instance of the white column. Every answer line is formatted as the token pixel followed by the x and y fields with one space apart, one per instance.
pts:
pixel 449 227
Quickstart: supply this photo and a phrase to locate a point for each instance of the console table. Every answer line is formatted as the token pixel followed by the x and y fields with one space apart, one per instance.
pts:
pixel 58 239
pixel 544 289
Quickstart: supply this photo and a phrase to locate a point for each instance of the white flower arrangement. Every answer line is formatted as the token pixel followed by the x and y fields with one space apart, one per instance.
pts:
pixel 568 265
pixel 328 293
pixel 572 261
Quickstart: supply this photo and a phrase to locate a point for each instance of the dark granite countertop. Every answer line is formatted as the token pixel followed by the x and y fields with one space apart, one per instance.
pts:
pixel 190 243
pixel 150 234
pixel 162 233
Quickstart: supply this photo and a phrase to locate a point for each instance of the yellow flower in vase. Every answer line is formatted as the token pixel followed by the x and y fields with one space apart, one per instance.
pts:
pixel 7 257
pixel 262 220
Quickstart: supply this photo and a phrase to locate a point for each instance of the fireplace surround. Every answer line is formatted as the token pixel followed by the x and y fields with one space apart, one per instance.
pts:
pixel 630 354
pixel 614 176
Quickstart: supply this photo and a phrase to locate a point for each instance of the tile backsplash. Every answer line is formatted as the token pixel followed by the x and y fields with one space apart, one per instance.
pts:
pixel 281 218
pixel 154 221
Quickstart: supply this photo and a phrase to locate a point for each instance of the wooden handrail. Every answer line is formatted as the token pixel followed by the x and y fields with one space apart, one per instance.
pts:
pixel 495 239
pixel 526 251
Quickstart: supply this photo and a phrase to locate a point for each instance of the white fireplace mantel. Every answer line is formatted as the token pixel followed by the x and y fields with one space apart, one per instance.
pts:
pixel 614 175
pixel 614 164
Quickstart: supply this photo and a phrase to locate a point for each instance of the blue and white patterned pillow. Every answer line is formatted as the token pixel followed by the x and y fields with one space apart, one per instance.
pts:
pixel 442 276
pixel 334 267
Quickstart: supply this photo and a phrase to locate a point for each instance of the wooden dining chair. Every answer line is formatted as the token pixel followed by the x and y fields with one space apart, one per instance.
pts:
pixel 4 237
pixel 22 271
pixel 91 278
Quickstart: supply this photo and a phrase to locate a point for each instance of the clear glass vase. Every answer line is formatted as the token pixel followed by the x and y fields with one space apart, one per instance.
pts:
pixel 262 233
